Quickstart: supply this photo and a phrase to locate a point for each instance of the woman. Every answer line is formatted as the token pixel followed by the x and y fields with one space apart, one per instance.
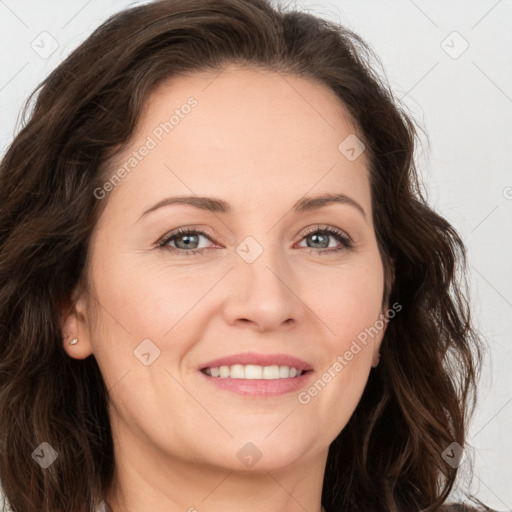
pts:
pixel 221 287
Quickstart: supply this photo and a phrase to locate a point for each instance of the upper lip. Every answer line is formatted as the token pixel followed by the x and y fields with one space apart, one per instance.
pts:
pixel 260 360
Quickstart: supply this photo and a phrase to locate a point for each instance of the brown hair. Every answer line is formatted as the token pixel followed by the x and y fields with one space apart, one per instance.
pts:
pixel 416 402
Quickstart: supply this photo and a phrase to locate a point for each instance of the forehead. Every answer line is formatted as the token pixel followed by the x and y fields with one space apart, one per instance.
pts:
pixel 248 130
pixel 252 98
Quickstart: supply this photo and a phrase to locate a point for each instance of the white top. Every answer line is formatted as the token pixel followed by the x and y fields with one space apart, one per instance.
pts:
pixel 103 507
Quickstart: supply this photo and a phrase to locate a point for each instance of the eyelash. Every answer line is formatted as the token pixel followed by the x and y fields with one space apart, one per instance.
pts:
pixel 345 240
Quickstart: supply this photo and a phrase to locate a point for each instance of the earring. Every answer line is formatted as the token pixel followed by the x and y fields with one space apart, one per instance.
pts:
pixel 73 341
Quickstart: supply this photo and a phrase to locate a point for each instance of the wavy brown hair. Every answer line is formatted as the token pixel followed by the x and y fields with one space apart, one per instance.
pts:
pixel 416 402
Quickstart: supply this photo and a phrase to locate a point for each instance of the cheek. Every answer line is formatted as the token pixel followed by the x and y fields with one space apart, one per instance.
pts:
pixel 140 303
pixel 352 311
pixel 348 300
pixel 148 300
pixel 357 308
pixel 356 326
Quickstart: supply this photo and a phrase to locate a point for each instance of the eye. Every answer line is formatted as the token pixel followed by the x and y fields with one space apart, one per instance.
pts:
pixel 185 240
pixel 320 235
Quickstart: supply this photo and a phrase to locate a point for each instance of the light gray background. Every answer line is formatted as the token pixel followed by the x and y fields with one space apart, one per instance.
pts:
pixel 463 101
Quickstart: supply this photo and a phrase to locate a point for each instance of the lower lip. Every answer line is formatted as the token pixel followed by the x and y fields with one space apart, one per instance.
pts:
pixel 260 387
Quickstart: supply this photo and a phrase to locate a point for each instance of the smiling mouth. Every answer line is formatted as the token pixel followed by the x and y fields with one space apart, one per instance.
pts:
pixel 254 372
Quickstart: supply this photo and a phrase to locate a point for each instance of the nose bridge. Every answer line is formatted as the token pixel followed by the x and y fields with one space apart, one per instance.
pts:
pixel 264 284
pixel 264 264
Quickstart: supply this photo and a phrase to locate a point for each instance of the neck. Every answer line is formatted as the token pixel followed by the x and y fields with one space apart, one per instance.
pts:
pixel 146 480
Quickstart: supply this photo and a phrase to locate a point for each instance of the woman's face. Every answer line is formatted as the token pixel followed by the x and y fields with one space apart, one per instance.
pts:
pixel 256 275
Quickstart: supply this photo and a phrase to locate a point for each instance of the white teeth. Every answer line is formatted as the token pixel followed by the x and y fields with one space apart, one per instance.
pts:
pixel 237 371
pixel 252 371
pixel 271 372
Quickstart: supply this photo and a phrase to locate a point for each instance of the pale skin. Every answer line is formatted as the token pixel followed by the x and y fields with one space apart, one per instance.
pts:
pixel 259 141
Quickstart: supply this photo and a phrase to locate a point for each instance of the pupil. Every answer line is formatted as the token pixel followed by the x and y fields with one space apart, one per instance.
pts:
pixel 186 240
pixel 316 237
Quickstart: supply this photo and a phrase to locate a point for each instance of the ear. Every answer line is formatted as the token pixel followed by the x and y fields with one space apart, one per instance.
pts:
pixel 73 319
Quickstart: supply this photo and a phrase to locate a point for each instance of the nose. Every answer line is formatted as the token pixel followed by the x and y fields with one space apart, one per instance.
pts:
pixel 264 294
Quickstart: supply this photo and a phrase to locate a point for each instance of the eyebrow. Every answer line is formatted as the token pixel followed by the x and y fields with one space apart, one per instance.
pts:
pixel 215 205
